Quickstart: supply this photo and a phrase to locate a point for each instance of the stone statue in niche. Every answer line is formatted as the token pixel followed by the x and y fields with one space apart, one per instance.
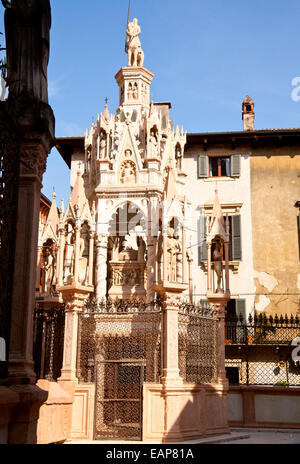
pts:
pixel 128 172
pixel 178 157
pixel 153 143
pixel 83 254
pixel 135 93
pixel 217 261
pixel 133 45
pixel 173 250
pixel 69 257
pixel 48 271
pixel 130 91
pixel 27 27
pixel 102 151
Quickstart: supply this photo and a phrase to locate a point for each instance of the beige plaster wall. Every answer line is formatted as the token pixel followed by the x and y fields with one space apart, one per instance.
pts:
pixel 275 187
pixel 232 191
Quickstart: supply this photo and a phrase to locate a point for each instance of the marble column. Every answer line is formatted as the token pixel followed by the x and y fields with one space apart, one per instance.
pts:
pixel 101 266
pixel 209 283
pixel 219 304
pixel 62 243
pixel 91 258
pixel 184 260
pixel 170 342
pixel 151 256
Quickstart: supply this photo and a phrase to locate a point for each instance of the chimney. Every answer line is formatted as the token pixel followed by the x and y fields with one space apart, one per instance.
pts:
pixel 248 114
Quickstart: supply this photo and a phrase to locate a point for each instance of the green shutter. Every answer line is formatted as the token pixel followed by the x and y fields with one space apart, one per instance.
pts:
pixel 202 239
pixel 202 166
pixel 236 238
pixel 235 165
pixel 240 308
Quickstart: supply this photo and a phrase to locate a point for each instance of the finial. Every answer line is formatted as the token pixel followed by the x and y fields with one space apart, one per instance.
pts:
pixel 106 100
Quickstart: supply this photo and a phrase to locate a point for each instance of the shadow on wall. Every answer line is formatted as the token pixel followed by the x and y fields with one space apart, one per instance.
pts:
pixel 185 412
pixel 20 411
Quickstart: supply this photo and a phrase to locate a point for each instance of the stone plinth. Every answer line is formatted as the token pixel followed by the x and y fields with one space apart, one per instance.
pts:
pixel 193 412
pixel 54 423
pixel 74 297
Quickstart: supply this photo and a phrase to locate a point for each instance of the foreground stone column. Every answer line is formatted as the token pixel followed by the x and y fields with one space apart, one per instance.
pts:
pixel 36 124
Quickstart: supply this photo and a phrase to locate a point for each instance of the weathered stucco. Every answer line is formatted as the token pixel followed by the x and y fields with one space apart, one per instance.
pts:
pixel 275 187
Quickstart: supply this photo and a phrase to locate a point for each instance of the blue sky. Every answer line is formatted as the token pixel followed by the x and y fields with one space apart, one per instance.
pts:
pixel 206 57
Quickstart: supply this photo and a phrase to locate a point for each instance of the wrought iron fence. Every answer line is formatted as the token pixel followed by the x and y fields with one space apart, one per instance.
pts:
pixel 119 348
pixel 258 350
pixel 197 343
pixel 49 324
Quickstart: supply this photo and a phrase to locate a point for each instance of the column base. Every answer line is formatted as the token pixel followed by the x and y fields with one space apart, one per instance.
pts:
pixel 21 373
pixel 171 378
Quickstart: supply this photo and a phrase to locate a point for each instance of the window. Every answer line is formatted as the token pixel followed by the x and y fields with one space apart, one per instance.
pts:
pixel 235 249
pixel 219 166
pixel 233 376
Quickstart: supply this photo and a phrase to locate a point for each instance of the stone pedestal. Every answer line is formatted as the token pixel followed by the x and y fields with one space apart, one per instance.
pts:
pixel 219 302
pixel 74 297
pixel 171 381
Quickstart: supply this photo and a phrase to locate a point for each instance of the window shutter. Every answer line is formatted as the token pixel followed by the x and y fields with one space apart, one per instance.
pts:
pixel 240 308
pixel 202 239
pixel 134 116
pixel 202 166
pixel 236 238
pixel 235 167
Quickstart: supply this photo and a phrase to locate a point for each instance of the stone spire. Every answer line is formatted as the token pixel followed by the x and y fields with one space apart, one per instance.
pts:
pixel 216 226
pixel 51 227
pixel 53 217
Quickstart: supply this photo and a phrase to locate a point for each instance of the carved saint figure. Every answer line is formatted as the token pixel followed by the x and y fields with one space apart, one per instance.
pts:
pixel 128 172
pixel 133 45
pixel 153 143
pixel 102 147
pixel 173 250
pixel 217 258
pixel 69 257
pixel 83 254
pixel 27 26
pixel 48 269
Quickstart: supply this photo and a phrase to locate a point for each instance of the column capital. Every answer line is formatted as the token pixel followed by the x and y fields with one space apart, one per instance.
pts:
pixel 101 240
pixel 33 159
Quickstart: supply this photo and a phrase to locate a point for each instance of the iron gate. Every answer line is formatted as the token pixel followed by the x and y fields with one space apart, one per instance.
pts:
pixel 118 402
